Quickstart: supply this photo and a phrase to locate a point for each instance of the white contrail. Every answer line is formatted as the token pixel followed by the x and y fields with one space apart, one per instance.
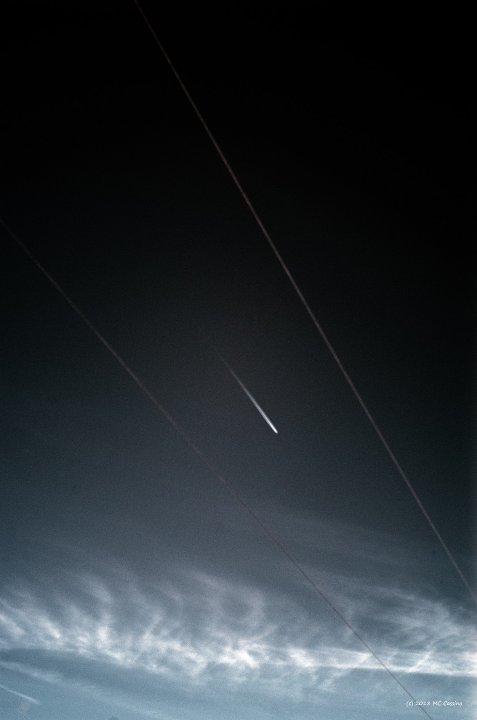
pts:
pixel 20 695
pixel 249 395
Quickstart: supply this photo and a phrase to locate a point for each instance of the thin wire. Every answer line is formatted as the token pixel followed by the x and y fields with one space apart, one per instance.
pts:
pixel 203 457
pixel 310 312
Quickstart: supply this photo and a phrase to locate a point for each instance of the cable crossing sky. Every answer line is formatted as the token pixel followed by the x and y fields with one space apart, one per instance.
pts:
pixel 273 537
pixel 310 312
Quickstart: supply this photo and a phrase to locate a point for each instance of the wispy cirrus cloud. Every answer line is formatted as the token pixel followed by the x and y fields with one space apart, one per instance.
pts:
pixel 200 627
pixel 193 632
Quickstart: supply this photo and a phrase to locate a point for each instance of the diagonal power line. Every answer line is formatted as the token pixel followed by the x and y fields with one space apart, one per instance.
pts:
pixel 158 406
pixel 310 312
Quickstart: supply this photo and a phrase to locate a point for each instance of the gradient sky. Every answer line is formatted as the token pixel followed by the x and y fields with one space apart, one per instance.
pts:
pixel 133 585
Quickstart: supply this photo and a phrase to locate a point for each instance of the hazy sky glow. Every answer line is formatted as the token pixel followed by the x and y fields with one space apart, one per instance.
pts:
pixel 133 584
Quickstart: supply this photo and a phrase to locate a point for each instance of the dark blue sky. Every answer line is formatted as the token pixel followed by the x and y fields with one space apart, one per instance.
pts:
pixel 133 584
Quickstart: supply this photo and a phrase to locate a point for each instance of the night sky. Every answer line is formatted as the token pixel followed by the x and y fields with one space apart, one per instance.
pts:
pixel 134 585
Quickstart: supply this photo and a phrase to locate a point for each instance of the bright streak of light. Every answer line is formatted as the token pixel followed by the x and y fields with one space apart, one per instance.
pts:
pixel 250 396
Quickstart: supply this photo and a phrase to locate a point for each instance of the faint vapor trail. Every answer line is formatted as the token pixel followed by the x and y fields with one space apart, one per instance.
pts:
pixel 249 395
pixel 20 695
